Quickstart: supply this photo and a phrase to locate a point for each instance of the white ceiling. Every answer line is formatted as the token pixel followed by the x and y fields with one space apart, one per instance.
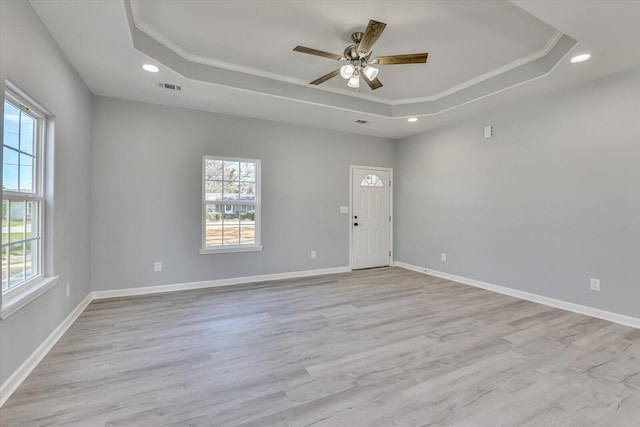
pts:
pixel 236 57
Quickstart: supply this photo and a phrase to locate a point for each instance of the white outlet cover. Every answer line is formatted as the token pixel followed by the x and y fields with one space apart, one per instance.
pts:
pixel 594 284
pixel 443 257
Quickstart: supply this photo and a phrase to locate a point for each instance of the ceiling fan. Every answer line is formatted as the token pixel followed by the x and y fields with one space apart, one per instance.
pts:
pixel 360 64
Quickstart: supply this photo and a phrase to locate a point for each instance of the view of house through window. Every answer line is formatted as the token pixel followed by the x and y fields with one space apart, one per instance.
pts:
pixel 22 195
pixel 231 202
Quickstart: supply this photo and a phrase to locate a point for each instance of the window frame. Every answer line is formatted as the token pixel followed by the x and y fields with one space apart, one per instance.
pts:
pixel 254 247
pixel 14 298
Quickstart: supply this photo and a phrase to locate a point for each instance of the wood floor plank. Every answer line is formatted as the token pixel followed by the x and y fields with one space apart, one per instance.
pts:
pixel 366 348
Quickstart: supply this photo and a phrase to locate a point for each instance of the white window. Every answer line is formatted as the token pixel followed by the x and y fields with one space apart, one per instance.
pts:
pixel 22 203
pixel 230 205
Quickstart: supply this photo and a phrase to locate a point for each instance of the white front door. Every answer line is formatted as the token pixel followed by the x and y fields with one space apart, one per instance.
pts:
pixel 370 218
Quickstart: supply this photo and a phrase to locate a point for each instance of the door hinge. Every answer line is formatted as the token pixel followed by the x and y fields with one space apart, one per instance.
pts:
pixel 389 253
pixel 389 183
pixel 389 218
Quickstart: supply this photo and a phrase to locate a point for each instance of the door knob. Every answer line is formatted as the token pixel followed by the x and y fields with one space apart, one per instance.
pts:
pixel 355 224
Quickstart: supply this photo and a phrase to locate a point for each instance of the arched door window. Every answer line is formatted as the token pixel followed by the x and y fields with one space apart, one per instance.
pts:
pixel 371 180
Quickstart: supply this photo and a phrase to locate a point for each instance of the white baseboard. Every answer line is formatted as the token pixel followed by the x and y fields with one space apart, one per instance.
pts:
pixel 19 375
pixel 115 293
pixel 552 302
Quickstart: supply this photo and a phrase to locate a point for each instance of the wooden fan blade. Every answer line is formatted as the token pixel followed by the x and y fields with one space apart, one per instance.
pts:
pixel 412 58
pixel 326 77
pixel 370 37
pixel 373 84
pixel 317 52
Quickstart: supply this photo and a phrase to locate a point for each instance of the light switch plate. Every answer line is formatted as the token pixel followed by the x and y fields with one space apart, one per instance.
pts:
pixel 344 209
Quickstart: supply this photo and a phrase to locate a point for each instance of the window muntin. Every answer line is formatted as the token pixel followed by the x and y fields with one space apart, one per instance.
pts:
pixel 22 195
pixel 231 204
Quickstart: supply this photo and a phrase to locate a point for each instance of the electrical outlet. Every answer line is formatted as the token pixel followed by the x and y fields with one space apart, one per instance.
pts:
pixel 67 289
pixel 443 257
pixel 594 285
pixel 157 266
pixel 313 254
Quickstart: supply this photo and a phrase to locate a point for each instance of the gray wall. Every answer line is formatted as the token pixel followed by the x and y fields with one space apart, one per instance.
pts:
pixel 549 202
pixel 147 193
pixel 32 60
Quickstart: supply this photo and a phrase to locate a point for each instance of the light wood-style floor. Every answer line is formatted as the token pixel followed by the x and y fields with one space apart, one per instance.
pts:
pixel 377 347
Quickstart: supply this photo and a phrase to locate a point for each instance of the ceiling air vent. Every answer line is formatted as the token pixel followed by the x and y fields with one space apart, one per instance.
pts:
pixel 362 121
pixel 170 86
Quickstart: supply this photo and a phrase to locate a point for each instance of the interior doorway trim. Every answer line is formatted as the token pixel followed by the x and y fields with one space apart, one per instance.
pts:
pixel 350 215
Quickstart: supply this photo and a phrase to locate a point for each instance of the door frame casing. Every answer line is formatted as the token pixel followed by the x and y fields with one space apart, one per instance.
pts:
pixel 350 215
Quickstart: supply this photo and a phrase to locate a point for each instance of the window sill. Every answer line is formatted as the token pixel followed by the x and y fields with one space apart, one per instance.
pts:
pixel 15 300
pixel 231 249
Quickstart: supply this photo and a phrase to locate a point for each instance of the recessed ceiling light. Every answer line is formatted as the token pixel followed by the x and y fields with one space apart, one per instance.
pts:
pixel 580 58
pixel 150 68
pixel 412 119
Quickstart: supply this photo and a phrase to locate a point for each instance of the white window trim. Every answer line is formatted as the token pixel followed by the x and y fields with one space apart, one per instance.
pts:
pixel 257 246
pixel 14 299
pixel 17 298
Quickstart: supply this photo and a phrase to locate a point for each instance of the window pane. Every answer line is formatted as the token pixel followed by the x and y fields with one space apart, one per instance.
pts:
pixel 5 269
pixel 16 221
pixel 16 264
pixel 11 123
pixel 31 220
pixel 214 235
pixel 247 172
pixel 230 224
pixel 26 125
pixel 213 190
pixel 5 222
pixel 11 139
pixel 371 180
pixel 9 169
pixel 231 191
pixel 247 234
pixel 231 171
pixel 31 258
pixel 247 191
pixel 26 173
pixel 213 170
pixel 214 214
pixel 231 232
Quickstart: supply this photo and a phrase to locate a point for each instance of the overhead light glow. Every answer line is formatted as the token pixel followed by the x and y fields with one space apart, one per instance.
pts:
pixel 150 68
pixel 346 71
pixel 412 119
pixel 354 81
pixel 580 58
pixel 370 72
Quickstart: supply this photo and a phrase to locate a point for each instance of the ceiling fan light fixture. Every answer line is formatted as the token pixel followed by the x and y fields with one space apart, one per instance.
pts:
pixel 371 72
pixel 346 71
pixel 354 81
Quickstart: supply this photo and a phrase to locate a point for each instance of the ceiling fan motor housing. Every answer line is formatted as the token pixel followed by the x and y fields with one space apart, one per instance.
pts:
pixel 351 54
